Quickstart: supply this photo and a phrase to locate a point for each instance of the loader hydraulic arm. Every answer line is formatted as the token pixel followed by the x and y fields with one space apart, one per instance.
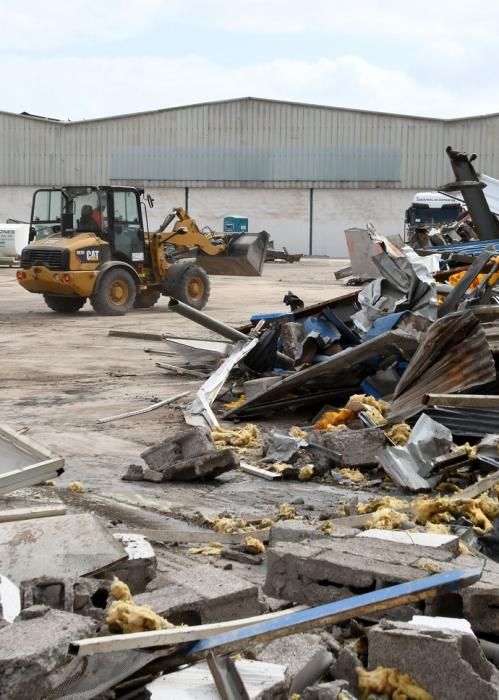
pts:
pixel 186 234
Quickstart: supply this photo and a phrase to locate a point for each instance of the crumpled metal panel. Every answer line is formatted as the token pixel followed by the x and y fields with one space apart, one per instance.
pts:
pixel 453 355
pixel 351 365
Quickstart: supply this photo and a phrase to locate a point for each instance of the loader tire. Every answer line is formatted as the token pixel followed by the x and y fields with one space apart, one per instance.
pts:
pixel 115 294
pixel 64 305
pixel 193 287
pixel 145 300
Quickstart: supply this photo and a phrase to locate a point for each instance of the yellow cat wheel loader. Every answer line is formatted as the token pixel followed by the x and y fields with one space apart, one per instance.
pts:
pixel 91 243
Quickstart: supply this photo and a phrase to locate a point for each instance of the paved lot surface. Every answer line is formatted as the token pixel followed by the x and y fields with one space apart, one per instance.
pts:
pixel 60 373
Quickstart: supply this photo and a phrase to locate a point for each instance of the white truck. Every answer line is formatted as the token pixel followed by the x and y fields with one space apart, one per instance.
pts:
pixel 429 209
pixel 13 238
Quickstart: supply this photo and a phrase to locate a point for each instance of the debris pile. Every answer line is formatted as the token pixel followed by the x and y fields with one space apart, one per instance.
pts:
pixel 366 567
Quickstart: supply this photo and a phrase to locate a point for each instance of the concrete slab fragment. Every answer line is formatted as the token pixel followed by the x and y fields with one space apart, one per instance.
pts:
pixel 62 546
pixel 425 539
pixel 199 594
pixel 449 665
pixel 31 650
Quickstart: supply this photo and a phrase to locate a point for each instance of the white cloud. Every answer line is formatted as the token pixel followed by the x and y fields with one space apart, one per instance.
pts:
pixel 85 88
pixel 53 24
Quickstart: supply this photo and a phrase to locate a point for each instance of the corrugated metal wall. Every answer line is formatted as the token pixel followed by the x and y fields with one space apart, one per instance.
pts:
pixel 247 143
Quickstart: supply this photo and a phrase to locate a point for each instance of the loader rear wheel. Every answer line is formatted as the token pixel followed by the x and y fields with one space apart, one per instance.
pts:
pixel 193 288
pixel 64 305
pixel 144 300
pixel 115 294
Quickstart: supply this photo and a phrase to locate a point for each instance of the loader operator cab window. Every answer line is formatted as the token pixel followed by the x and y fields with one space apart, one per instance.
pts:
pixel 128 233
pixel 89 211
pixel 46 214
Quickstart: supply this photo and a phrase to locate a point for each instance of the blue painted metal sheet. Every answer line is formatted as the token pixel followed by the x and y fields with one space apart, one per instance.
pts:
pixel 468 247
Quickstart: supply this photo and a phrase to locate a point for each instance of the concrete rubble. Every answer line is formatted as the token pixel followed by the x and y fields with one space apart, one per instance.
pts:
pixel 319 520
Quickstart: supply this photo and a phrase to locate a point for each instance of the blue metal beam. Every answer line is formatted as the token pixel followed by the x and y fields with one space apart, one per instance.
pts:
pixel 328 614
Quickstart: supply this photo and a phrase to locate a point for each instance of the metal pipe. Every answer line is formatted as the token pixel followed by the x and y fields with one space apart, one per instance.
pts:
pixel 206 321
pixel 218 327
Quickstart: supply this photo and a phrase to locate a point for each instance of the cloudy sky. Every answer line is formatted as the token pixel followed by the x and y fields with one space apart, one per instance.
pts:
pixel 83 59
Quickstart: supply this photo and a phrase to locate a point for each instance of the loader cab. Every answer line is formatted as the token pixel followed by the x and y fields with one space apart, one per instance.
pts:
pixel 112 213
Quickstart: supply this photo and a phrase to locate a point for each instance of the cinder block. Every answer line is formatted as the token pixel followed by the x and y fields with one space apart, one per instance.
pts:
pixel 203 596
pixel 84 596
pixel 33 650
pixel 449 665
pixel 325 570
pixel 187 455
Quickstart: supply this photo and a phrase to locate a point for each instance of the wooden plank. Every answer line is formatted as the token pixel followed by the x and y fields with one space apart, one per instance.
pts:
pixel 140 411
pixel 177 635
pixel 182 370
pixel 136 334
pixel 256 471
pixel 7 516
pixel 197 536
pixel 238 634
pixel 477 488
pixel 464 400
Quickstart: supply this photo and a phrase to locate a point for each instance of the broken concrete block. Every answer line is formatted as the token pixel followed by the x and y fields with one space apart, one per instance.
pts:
pixel 204 595
pixel 300 531
pixel 84 596
pixel 299 653
pixel 425 539
pixel 328 569
pixel 31 650
pixel 140 568
pixel 324 691
pixel 359 448
pixel 187 455
pixel 344 668
pixel 135 472
pixel 78 545
pixel 450 665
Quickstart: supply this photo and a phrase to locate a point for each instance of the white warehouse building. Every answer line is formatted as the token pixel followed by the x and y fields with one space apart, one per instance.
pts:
pixel 302 172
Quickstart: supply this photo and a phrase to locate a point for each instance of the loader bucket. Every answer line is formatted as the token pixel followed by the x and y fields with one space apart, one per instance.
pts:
pixel 244 256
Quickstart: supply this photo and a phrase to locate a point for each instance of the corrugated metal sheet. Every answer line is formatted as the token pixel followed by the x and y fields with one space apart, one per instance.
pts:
pixel 453 355
pixel 251 142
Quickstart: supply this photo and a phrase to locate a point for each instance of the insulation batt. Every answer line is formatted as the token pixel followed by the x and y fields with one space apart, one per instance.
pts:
pixel 352 474
pixel 383 502
pixel 387 519
pixel 126 616
pixel 243 437
pixel 210 550
pixel 399 433
pixel 390 682
pixel 252 545
pixel 306 472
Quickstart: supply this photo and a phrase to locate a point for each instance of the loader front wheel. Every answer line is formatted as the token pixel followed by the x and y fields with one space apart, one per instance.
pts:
pixel 193 288
pixel 115 294
pixel 64 305
pixel 145 300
